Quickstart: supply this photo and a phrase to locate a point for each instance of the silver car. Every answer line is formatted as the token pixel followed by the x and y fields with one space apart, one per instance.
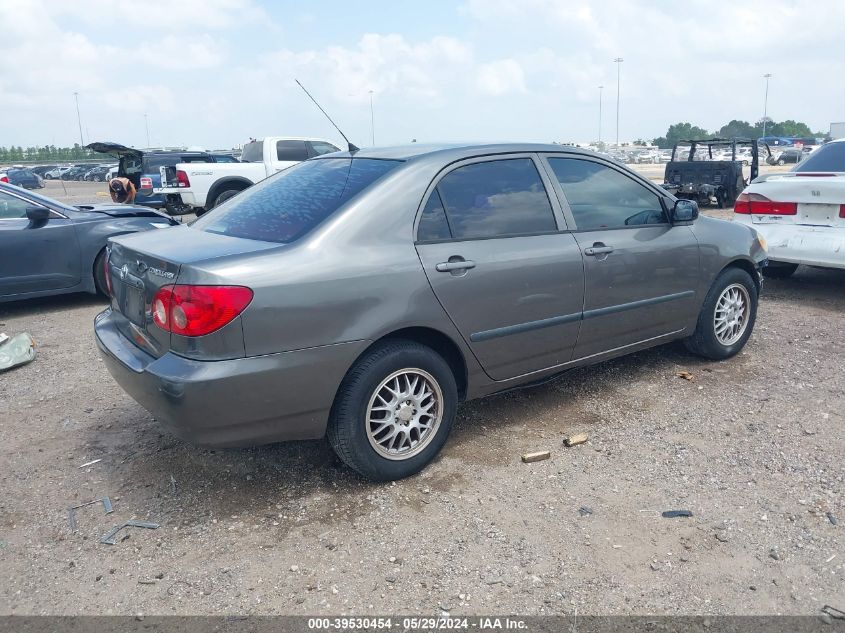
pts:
pixel 365 296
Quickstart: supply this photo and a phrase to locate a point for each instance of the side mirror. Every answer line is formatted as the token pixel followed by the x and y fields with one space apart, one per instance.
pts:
pixel 37 214
pixel 684 211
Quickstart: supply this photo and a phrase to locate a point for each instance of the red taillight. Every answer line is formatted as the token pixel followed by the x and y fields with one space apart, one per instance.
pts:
pixel 4 179
pixel 756 204
pixel 182 179
pixel 108 275
pixel 146 183
pixel 842 210
pixel 198 310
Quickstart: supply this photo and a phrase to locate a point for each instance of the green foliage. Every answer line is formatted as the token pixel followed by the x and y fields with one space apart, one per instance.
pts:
pixel 679 132
pixel 49 153
pixel 686 131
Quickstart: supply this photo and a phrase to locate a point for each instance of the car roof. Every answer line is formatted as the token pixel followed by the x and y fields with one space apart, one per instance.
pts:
pixel 453 152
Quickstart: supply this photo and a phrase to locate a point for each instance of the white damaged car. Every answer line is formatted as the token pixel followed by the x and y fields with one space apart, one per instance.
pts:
pixel 801 213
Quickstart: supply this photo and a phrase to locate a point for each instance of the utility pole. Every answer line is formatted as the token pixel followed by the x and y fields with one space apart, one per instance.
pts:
pixel 372 121
pixel 766 102
pixel 618 62
pixel 600 89
pixel 79 119
pixel 147 126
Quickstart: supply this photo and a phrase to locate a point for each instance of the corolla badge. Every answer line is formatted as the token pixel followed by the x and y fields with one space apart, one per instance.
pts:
pixel 160 273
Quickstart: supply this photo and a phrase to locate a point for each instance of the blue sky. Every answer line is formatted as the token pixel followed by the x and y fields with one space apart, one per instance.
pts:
pixel 212 73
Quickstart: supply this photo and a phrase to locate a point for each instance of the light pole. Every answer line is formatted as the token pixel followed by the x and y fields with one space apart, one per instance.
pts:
pixel 600 89
pixel 147 126
pixel 372 120
pixel 79 119
pixel 618 62
pixel 766 102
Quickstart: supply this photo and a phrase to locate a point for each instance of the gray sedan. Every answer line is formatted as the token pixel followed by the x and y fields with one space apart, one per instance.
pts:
pixel 49 248
pixel 364 296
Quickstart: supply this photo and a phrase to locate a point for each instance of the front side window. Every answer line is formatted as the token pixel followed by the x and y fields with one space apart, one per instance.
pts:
pixel 496 199
pixel 12 207
pixel 291 150
pixel 601 197
pixel 286 206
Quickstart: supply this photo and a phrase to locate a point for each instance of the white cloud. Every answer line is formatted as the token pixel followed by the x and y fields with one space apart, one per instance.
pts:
pixel 500 77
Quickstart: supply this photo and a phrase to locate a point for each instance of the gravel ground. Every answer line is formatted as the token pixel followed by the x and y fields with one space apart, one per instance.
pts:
pixel 752 446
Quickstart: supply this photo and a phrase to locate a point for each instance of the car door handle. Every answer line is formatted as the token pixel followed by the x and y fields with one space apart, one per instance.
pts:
pixel 458 264
pixel 598 249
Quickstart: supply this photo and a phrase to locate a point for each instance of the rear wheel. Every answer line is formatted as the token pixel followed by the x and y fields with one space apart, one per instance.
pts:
pixel 779 270
pixel 393 411
pixel 727 317
pixel 229 193
pixel 100 274
pixel 48 177
pixel 781 161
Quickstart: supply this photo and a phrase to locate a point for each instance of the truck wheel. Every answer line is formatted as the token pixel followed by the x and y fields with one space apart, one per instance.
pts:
pixel 779 270
pixel 393 410
pixel 220 199
pixel 727 316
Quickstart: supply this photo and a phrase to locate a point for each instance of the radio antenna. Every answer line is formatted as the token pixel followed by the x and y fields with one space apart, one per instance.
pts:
pixel 352 147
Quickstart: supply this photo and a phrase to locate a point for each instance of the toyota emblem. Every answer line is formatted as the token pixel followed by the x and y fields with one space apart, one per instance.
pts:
pixel 124 271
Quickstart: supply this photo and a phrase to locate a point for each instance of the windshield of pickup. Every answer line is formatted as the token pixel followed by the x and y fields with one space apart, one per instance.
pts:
pixel 286 206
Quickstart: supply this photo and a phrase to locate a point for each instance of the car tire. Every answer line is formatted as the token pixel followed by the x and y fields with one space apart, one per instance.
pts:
pixel 100 274
pixel 225 195
pixel 727 317
pixel 48 177
pixel 781 162
pixel 404 376
pixel 779 270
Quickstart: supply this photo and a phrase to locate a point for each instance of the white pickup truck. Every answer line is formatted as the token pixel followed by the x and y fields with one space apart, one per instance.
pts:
pixel 201 187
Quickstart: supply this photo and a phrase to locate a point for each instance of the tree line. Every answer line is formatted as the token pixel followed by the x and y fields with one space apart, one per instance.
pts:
pixel 48 153
pixel 687 131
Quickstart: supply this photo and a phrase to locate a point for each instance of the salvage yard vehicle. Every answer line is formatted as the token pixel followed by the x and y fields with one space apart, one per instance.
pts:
pixel 22 177
pixel 145 168
pixel 801 213
pixel 203 188
pixel 49 248
pixel 364 295
pixel 710 170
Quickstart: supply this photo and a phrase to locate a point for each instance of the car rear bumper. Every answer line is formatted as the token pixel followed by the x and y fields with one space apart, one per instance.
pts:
pixel 804 244
pixel 230 403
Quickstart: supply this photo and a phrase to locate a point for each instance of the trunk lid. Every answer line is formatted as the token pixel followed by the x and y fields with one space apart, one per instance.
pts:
pixel 142 263
pixel 114 149
pixel 818 198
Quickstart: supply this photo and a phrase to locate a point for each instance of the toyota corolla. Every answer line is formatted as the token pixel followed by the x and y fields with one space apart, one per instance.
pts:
pixel 364 296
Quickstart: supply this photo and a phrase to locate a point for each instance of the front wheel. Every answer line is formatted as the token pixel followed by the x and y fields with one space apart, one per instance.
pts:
pixel 393 411
pixel 100 282
pixel 727 316
pixel 229 193
pixel 781 162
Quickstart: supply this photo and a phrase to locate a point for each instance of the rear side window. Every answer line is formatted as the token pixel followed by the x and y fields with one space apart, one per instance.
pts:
pixel 286 206
pixel 601 197
pixel 319 148
pixel 830 157
pixel 433 222
pixel 253 152
pixel 496 199
pixel 11 207
pixel 291 150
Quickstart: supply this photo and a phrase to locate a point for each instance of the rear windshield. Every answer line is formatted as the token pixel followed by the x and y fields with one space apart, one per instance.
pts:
pixel 284 207
pixel 830 157
pixel 253 152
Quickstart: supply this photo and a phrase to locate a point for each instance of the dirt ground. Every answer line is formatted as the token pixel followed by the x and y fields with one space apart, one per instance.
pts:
pixel 752 446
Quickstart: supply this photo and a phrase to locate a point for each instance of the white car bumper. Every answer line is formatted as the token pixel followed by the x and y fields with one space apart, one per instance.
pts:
pixel 803 244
